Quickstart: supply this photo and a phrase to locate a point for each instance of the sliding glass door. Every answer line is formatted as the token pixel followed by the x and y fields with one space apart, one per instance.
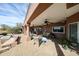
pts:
pixel 73 30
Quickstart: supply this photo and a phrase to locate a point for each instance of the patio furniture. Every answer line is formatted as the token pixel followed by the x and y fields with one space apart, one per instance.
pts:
pixel 42 39
pixel 3 34
pixel 5 38
pixel 32 36
pixel 51 36
pixel 10 42
pixel 3 49
pixel 18 40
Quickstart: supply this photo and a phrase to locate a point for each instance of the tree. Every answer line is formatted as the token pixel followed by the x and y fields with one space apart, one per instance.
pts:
pixel 4 27
pixel 17 29
pixel 19 25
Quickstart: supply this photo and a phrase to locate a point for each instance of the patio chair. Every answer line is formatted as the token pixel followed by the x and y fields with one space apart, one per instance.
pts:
pixel 42 40
pixel 3 49
pixel 10 42
pixel 52 36
pixel 4 38
pixel 1 36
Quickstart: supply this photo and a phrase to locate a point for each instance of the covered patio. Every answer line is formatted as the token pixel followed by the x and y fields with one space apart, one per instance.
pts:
pixel 55 18
pixel 49 15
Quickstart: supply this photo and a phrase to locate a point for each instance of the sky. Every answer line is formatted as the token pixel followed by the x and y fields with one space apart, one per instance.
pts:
pixel 12 13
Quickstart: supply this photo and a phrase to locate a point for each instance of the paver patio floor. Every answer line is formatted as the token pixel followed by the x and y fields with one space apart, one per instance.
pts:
pixel 27 48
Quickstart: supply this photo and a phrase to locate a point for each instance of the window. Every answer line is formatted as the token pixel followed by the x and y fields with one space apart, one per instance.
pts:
pixel 58 29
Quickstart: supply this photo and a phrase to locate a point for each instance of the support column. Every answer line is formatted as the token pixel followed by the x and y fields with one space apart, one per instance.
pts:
pixel 25 29
pixel 28 31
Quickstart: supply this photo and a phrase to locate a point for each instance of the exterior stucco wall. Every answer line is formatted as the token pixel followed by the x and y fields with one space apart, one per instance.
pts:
pixel 48 28
pixel 71 19
pixel 59 35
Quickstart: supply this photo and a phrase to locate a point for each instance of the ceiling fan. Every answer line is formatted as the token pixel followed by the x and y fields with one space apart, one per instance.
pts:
pixel 46 22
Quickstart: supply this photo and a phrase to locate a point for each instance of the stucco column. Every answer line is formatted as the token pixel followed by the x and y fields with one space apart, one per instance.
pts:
pixel 28 31
pixel 25 29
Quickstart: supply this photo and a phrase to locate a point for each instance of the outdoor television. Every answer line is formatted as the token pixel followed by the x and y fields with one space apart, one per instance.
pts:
pixel 58 29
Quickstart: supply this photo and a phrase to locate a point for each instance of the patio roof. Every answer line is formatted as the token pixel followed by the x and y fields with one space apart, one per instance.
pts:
pixel 52 12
